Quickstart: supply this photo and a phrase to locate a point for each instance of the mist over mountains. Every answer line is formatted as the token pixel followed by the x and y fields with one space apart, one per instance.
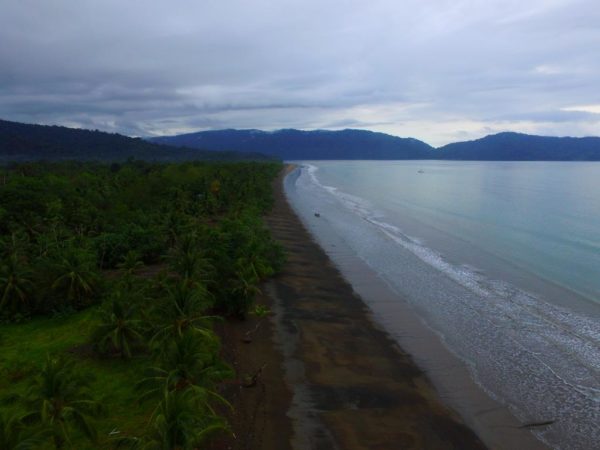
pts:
pixel 26 142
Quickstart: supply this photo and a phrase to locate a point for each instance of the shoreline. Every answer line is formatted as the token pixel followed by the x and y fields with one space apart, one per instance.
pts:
pixel 449 376
pixel 329 374
pixel 352 386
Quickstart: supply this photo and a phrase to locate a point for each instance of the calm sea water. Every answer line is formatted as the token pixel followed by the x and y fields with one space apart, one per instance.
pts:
pixel 501 259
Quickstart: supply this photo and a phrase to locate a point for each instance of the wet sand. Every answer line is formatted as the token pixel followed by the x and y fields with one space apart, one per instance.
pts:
pixel 327 377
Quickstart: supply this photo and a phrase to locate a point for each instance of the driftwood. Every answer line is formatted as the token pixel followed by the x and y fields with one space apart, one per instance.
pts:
pixel 248 336
pixel 254 378
pixel 537 424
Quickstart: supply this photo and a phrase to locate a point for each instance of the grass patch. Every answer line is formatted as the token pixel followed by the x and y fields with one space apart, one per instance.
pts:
pixel 23 350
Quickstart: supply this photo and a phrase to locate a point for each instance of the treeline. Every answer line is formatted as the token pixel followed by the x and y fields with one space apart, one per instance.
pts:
pixel 164 249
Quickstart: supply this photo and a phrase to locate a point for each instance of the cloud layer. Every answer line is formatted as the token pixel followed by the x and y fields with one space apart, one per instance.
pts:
pixel 440 70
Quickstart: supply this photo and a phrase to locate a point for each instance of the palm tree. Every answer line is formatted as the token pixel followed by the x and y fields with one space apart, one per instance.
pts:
pixel 130 262
pixel 119 329
pixel 59 401
pixel 173 225
pixel 16 284
pixel 182 310
pixel 188 362
pixel 128 281
pixel 77 278
pixel 255 252
pixel 244 288
pixel 187 261
pixel 15 436
pixel 13 244
pixel 180 423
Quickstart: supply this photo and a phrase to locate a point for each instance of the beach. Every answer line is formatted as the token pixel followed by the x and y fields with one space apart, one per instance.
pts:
pixel 319 373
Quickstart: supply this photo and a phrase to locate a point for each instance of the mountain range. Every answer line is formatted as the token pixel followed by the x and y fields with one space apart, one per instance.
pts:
pixel 524 147
pixel 293 144
pixel 26 142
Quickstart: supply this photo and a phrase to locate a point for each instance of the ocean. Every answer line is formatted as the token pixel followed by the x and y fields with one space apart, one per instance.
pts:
pixel 500 260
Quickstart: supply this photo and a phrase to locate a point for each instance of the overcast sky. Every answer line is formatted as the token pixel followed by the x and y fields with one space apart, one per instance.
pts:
pixel 437 70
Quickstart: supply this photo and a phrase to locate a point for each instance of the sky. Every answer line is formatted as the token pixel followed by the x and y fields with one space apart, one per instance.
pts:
pixel 437 70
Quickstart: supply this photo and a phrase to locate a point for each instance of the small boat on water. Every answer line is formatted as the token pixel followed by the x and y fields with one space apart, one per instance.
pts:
pixel 420 171
pixel 317 214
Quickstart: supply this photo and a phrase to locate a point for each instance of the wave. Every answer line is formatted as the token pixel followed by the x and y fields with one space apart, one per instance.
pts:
pixel 564 346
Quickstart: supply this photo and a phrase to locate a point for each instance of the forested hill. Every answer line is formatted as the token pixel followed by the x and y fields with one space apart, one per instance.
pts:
pixel 360 144
pixel 296 144
pixel 523 147
pixel 25 142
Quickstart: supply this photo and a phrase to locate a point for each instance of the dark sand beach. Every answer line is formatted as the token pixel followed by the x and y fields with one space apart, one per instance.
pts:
pixel 319 373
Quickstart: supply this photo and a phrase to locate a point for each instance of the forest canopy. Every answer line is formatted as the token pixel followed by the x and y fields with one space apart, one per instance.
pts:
pixel 127 262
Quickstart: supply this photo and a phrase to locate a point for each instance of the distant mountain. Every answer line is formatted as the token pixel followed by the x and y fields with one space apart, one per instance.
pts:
pixel 523 147
pixel 295 144
pixel 360 144
pixel 25 142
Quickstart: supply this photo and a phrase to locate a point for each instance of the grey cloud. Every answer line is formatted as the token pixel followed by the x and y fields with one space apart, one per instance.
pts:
pixel 436 70
pixel 552 117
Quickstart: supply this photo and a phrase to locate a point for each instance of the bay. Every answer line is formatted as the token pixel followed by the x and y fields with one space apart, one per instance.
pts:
pixel 500 259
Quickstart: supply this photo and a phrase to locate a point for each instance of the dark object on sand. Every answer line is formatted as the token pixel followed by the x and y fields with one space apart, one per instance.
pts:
pixel 538 424
pixel 317 215
pixel 248 336
pixel 252 380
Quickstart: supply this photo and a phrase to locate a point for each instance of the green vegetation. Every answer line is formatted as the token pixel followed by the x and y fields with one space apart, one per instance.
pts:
pixel 111 277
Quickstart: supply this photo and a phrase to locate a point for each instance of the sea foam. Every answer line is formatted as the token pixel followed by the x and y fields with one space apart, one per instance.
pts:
pixel 540 359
